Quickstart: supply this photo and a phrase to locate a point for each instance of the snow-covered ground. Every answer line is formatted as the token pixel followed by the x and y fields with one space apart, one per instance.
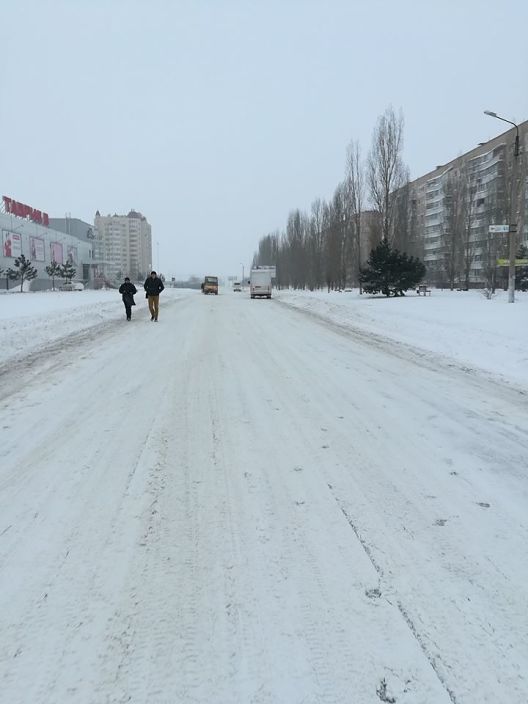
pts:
pixel 29 321
pixel 490 335
pixel 246 503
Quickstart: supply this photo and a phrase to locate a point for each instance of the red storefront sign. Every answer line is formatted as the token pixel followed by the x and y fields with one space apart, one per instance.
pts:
pixel 25 211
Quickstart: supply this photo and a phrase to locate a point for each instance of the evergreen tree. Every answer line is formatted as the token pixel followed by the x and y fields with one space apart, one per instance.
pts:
pixel 390 272
pixel 53 270
pixel 67 271
pixel 410 271
pixel 26 270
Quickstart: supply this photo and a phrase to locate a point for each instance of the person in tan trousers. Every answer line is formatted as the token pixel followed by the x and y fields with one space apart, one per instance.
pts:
pixel 153 287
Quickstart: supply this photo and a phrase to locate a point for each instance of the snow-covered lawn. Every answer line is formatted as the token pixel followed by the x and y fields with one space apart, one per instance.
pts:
pixel 30 320
pixel 491 335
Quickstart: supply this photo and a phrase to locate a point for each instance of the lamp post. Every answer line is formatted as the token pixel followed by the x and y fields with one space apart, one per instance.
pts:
pixel 242 275
pixel 513 206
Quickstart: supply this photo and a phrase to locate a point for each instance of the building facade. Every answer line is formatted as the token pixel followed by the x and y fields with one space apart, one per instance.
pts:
pixel 448 212
pixel 125 243
pixel 30 232
pixel 84 232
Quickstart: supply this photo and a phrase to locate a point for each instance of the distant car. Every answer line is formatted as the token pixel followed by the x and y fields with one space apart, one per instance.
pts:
pixel 237 286
pixel 72 286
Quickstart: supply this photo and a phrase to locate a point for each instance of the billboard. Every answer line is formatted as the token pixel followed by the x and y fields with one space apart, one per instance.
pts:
pixel 72 255
pixel 56 252
pixel 36 249
pixel 11 244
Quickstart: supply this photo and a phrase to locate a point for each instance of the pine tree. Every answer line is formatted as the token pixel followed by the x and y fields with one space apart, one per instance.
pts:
pixel 26 270
pixel 388 271
pixel 67 271
pixel 53 270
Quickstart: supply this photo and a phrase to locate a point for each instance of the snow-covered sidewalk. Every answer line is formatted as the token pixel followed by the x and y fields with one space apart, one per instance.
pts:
pixel 490 335
pixel 28 321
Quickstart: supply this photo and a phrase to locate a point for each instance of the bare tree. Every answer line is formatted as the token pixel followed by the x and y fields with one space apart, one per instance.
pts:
pixel 401 222
pixel 295 236
pixel 492 245
pixel 385 169
pixel 354 197
pixel 315 246
pixel 468 194
pixel 453 226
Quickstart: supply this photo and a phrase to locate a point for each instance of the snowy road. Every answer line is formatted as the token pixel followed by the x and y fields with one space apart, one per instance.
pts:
pixel 242 504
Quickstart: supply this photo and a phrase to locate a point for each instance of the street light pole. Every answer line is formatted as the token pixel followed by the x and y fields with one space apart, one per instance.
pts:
pixel 513 207
pixel 242 275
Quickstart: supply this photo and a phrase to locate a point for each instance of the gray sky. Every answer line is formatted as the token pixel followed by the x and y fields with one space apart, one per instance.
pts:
pixel 216 118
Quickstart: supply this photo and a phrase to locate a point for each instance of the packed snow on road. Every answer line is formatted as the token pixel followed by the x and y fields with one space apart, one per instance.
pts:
pixel 301 500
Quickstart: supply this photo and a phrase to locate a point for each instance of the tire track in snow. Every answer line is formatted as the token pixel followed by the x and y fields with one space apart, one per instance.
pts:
pixel 433 362
pixel 406 617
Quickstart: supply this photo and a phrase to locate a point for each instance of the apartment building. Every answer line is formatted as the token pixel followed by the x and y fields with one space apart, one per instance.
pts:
pixel 125 243
pixel 451 208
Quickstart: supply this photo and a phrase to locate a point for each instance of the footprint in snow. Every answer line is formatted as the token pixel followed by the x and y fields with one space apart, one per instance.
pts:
pixel 373 593
pixel 440 521
pixel 483 504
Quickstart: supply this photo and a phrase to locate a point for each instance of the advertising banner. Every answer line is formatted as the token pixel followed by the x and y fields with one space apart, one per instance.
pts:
pixel 72 255
pixel 36 249
pixel 11 244
pixel 56 252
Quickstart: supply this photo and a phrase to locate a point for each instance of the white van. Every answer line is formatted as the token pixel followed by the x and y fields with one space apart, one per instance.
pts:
pixel 260 283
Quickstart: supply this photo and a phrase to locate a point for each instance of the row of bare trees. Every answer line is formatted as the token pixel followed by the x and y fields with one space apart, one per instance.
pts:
pixel 444 221
pixel 325 247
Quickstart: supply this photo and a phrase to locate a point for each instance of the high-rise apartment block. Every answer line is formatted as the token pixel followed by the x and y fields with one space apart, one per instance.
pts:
pixel 125 243
pixel 444 216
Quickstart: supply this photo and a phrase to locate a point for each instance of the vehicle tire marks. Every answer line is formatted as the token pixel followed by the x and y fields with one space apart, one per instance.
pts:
pixel 406 617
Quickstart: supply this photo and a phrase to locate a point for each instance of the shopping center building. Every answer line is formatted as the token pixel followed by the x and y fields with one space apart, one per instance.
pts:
pixel 41 239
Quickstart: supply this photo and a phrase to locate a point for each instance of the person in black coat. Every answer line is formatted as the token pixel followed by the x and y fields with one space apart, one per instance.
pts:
pixel 153 287
pixel 128 290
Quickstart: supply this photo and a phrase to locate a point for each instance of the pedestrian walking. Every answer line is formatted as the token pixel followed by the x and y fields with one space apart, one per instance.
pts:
pixel 153 287
pixel 128 291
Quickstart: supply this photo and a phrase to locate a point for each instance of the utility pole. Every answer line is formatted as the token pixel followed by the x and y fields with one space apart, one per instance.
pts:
pixel 513 207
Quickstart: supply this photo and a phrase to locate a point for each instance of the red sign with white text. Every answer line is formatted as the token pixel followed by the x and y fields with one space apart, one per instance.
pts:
pixel 25 211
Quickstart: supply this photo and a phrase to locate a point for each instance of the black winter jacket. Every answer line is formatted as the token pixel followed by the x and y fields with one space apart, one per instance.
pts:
pixel 128 290
pixel 153 287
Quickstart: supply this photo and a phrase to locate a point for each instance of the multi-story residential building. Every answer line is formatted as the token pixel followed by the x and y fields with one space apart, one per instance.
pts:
pixel 126 244
pixel 449 211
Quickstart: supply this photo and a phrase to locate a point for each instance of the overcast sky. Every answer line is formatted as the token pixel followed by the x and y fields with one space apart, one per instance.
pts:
pixel 216 118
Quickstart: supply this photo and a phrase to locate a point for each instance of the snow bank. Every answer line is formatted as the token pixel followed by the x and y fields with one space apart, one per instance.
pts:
pixel 490 335
pixel 29 321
